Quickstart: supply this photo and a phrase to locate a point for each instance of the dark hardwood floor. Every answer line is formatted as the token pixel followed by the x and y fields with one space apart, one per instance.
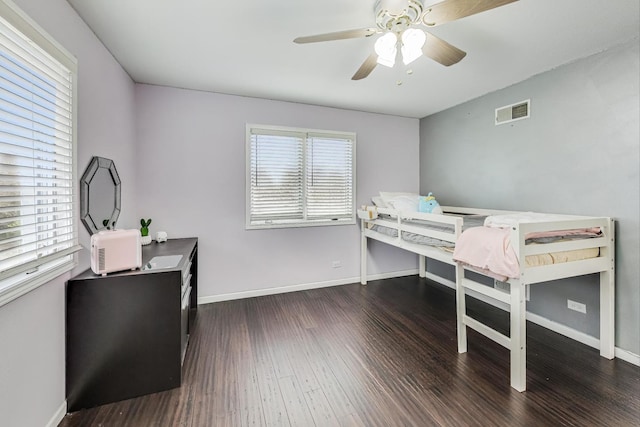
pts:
pixel 384 354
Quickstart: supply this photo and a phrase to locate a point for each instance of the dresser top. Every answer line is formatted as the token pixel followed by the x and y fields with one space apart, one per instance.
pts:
pixel 184 247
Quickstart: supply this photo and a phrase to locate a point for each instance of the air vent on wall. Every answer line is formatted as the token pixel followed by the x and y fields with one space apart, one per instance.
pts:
pixel 513 112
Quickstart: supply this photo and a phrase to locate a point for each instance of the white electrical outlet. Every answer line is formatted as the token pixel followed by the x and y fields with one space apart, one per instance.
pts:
pixel 336 264
pixel 577 306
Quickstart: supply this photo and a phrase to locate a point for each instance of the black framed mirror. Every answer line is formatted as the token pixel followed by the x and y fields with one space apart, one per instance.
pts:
pixel 100 195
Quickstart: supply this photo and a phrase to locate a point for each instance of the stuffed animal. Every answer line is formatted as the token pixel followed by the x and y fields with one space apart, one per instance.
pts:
pixel 429 204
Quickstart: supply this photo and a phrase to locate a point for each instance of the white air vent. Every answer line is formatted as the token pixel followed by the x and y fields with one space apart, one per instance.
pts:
pixel 513 112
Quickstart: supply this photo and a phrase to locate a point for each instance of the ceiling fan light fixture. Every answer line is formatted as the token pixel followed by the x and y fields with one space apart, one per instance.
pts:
pixel 412 41
pixel 386 49
pixel 398 23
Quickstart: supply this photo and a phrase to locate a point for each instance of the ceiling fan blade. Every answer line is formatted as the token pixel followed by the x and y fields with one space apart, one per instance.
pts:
pixel 441 51
pixel 450 10
pixel 339 35
pixel 367 67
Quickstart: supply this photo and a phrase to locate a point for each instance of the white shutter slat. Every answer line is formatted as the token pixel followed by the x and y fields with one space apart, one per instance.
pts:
pixel 37 221
pixel 276 176
pixel 27 56
pixel 329 177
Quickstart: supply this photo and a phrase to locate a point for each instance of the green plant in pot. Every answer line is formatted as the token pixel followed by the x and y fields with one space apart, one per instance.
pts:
pixel 144 231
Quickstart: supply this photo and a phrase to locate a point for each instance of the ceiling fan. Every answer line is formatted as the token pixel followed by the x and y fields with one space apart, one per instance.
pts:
pixel 400 22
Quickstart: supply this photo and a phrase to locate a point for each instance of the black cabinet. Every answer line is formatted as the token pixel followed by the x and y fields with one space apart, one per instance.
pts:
pixel 127 333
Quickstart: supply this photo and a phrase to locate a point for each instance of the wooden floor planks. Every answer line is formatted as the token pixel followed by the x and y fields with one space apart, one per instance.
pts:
pixel 384 354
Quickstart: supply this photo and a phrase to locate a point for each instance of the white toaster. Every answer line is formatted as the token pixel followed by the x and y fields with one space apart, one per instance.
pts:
pixel 115 250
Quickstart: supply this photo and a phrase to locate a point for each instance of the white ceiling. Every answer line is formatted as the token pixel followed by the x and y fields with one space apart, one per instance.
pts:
pixel 246 48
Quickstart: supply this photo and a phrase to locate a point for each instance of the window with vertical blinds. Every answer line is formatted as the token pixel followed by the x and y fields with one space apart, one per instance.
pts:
pixel 38 225
pixel 299 177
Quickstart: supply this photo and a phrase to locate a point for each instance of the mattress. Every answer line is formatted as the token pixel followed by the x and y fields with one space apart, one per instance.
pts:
pixel 560 257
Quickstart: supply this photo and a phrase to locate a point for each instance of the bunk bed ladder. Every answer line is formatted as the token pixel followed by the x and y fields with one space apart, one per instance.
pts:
pixel 516 342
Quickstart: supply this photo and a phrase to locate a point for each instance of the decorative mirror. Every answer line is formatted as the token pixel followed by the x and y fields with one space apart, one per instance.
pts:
pixel 100 195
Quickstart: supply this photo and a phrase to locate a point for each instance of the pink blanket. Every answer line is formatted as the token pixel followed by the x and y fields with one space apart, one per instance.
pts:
pixel 489 249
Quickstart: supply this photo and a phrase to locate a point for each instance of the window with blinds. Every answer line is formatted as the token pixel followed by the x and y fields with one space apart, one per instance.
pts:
pixel 299 177
pixel 38 225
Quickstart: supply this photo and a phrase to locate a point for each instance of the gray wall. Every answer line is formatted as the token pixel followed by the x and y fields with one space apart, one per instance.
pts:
pixel 32 330
pixel 191 181
pixel 577 154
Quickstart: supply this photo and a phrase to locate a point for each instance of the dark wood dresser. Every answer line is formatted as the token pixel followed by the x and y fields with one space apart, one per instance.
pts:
pixel 127 333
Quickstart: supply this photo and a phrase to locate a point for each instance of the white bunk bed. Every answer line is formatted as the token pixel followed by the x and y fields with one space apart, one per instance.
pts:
pixel 405 229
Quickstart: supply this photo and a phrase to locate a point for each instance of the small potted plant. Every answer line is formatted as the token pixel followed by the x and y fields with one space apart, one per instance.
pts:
pixel 144 231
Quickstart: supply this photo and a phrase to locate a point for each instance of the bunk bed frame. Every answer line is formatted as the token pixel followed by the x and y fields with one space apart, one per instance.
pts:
pixel 603 264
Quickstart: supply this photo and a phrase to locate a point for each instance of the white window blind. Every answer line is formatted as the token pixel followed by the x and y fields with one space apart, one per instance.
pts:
pixel 329 177
pixel 37 220
pixel 299 177
pixel 276 176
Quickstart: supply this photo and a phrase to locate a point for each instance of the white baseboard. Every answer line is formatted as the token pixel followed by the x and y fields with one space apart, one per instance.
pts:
pixel 559 328
pixel 568 332
pixel 58 415
pixel 627 356
pixel 301 287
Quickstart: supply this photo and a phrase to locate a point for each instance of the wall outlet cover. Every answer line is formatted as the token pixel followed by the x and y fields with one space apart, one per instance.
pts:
pixel 577 306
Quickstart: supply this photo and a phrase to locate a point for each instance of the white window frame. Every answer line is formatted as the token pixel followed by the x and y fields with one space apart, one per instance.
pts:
pixel 293 223
pixel 19 280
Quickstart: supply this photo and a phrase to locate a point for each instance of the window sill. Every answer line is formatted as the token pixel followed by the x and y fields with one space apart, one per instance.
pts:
pixel 297 224
pixel 23 283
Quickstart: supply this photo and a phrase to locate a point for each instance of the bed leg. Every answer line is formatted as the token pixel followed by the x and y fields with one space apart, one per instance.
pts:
pixel 607 297
pixel 518 336
pixel 607 315
pixel 460 310
pixel 422 265
pixel 363 254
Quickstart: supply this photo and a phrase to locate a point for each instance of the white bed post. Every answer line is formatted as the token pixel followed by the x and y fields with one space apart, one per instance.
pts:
pixel 461 310
pixel 607 298
pixel 422 266
pixel 363 253
pixel 518 335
